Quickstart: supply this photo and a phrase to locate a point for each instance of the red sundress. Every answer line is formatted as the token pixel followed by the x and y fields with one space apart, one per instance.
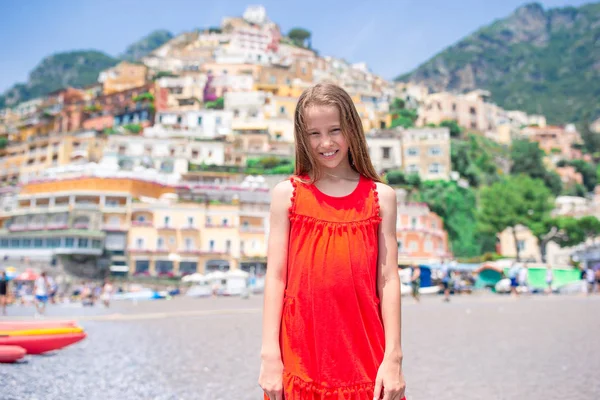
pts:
pixel 332 337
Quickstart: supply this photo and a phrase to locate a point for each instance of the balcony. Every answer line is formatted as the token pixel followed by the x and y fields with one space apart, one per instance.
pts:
pixel 141 223
pixel 136 250
pixel 79 250
pixel 86 206
pixel 166 228
pixel 81 225
pixel 189 228
pixel 36 227
pixel 17 228
pixel 190 251
pixel 115 227
pixel 114 208
pixel 56 226
pixel 210 225
pixel 252 229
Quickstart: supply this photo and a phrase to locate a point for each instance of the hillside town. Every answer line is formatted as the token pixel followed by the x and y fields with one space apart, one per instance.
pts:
pixel 165 165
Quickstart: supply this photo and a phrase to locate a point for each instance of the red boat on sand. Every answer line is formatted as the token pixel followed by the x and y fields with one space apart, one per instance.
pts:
pixel 10 354
pixel 26 325
pixel 39 344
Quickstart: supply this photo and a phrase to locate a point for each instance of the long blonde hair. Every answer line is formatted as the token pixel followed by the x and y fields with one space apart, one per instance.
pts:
pixel 329 94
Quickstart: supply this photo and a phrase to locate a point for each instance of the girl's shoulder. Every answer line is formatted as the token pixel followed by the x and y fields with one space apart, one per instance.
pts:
pixel 385 192
pixel 282 193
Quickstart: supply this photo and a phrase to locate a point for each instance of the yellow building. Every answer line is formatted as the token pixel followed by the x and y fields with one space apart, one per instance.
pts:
pixel 529 249
pixel 41 152
pixel 183 238
pixel 123 76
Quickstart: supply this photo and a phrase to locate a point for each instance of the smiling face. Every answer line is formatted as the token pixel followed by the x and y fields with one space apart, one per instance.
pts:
pixel 326 140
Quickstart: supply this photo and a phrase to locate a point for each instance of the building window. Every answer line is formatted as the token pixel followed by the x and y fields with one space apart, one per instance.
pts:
pixel 208 221
pixel 414 246
pixel 211 245
pixel 190 221
pixel 96 244
pixel 70 242
pixel 82 243
pixel 188 244
pixel 141 218
pixel 228 245
pixel 139 243
pixel 435 168
pixel 14 243
pixel 435 151
pixel 428 245
pixel 38 243
pixel 172 240
pixel 385 153
pixel 399 246
pixel 521 245
pixel 413 169
pixel 412 151
pixel 160 242
pixel 199 121
pixel 413 222
pixel 225 222
pixel 218 121
pixel 26 243
pixel 241 246
pixel 167 219
pixel 282 110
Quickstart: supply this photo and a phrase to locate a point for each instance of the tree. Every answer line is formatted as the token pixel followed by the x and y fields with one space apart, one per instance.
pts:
pixel 590 226
pixel 474 160
pixel 527 158
pixel 300 37
pixel 591 140
pixel 564 231
pixel 455 129
pixel 588 173
pixel 553 182
pixel 395 177
pixel 456 206
pixel 516 200
pixel 3 143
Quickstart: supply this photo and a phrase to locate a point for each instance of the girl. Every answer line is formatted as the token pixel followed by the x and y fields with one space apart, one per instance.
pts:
pixel 331 322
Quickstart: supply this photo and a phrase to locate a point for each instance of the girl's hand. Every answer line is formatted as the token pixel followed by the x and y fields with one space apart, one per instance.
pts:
pixel 271 377
pixel 390 380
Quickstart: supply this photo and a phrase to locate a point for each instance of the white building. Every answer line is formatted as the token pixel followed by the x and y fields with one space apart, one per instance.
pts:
pixel 201 124
pixel 385 152
pixel 166 156
pixel 28 108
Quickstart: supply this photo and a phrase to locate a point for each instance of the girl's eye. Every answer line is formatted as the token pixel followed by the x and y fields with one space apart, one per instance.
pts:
pixel 314 133
pixel 336 130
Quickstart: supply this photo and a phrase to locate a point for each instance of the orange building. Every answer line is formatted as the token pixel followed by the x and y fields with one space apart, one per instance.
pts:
pixel 420 234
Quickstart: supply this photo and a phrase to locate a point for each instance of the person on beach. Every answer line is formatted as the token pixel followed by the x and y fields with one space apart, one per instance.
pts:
pixel 41 289
pixel 107 291
pixel 549 279
pixel 445 281
pixel 4 291
pixel 331 320
pixel 415 282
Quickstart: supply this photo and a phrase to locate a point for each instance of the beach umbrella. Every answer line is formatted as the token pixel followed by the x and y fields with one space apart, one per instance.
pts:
pixel 28 275
pixel 11 273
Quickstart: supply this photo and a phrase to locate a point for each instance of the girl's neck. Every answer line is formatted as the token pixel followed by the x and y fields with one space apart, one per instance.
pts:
pixel 342 172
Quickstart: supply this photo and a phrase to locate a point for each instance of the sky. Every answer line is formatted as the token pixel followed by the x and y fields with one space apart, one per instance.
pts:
pixel 392 37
